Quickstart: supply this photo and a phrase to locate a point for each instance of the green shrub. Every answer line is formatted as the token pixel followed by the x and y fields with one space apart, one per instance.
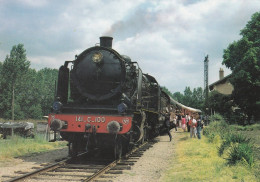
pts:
pixel 216 117
pixel 245 128
pixel 232 138
pixel 211 137
pixel 239 147
pixel 206 131
pixel 241 152
pixel 217 127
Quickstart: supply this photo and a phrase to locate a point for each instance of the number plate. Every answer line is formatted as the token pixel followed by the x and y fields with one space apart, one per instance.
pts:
pixel 91 119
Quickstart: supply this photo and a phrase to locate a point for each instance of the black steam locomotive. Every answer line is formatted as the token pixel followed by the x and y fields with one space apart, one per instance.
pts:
pixel 105 101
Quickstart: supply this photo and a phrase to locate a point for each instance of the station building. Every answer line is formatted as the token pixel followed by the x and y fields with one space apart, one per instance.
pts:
pixel 223 85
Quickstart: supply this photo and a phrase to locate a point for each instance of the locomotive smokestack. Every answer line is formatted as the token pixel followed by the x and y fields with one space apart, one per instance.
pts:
pixel 106 41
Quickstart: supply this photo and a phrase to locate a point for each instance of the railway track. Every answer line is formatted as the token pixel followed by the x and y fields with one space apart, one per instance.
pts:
pixel 85 169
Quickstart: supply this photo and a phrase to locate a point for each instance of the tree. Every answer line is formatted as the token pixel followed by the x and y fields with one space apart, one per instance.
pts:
pixel 28 96
pixel 14 68
pixel 46 77
pixel 190 98
pixel 1 66
pixel 198 98
pixel 220 103
pixel 187 99
pixel 178 97
pixel 243 58
pixel 167 91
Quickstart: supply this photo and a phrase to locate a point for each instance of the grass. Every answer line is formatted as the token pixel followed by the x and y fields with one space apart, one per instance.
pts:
pixel 198 160
pixel 18 146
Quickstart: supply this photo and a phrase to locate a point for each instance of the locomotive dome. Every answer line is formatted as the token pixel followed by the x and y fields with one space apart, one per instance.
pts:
pixel 99 71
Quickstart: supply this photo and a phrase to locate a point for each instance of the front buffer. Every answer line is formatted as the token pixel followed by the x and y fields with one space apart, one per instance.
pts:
pixel 88 123
pixel 91 131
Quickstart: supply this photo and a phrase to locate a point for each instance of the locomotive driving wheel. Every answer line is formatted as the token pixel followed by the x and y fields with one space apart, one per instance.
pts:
pixel 118 148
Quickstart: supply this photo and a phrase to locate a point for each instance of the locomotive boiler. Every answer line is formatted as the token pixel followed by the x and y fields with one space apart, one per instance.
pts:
pixel 104 101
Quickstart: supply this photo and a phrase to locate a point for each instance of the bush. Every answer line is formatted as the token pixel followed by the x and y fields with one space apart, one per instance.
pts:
pixel 240 148
pixel 232 138
pixel 217 117
pixel 211 137
pixel 218 126
pixel 245 128
pixel 241 152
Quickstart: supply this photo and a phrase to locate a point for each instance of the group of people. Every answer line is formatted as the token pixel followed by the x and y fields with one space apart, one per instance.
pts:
pixel 192 124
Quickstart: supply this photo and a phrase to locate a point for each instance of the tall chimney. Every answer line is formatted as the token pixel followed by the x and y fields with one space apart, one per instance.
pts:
pixel 106 41
pixel 221 73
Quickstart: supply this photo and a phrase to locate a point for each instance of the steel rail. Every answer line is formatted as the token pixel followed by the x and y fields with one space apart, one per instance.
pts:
pixel 101 171
pixel 111 165
pixel 34 173
pixel 44 169
pixel 63 162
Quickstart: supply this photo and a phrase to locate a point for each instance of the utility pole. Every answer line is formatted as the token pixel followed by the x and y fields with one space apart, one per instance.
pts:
pixel 206 83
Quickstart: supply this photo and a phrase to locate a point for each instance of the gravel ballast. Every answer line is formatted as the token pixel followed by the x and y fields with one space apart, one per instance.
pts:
pixel 149 167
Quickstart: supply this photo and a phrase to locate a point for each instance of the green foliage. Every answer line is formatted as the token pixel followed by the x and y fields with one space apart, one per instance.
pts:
pixel 217 127
pixel 167 91
pixel 194 99
pixel 1 67
pixel 14 68
pixel 241 152
pixel 238 146
pixel 219 120
pixel 220 103
pixel 232 138
pixel 47 85
pixel 34 90
pixel 178 97
pixel 15 65
pixel 213 138
pixel 243 58
pixel 253 127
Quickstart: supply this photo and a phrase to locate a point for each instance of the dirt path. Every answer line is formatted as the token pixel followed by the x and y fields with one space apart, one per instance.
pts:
pixel 155 161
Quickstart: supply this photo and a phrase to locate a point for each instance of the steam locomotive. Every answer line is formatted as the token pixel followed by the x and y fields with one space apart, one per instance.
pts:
pixel 104 101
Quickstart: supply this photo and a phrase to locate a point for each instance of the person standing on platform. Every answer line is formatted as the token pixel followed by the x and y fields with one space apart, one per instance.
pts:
pixel 187 122
pixel 199 127
pixel 183 123
pixel 179 119
pixel 167 124
pixel 193 124
pixel 173 120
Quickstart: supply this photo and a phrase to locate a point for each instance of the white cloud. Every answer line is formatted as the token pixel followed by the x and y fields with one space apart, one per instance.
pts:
pixel 169 39
pixel 33 3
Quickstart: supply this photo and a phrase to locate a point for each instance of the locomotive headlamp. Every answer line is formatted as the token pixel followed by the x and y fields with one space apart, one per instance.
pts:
pixel 97 57
pixel 57 106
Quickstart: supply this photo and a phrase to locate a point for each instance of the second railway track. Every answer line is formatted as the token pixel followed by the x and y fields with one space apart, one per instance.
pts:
pixel 85 168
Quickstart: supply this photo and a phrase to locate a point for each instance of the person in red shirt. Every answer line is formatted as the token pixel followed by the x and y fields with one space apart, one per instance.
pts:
pixel 183 123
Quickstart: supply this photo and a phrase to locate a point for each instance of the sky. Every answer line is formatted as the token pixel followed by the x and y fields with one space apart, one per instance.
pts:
pixel 168 38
